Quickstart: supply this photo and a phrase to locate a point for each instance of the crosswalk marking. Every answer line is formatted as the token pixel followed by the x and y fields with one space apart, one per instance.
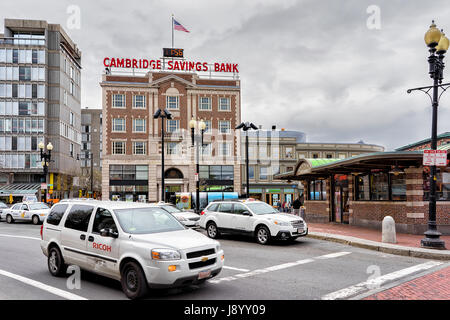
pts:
pixel 378 281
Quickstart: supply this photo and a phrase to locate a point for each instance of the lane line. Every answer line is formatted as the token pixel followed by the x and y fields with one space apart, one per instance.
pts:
pixel 42 286
pixel 377 282
pixel 22 237
pixel 278 267
pixel 236 269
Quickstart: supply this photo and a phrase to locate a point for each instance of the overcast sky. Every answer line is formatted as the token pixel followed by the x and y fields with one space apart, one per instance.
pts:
pixel 328 68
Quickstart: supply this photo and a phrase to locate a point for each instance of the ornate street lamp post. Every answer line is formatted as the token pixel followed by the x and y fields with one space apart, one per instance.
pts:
pixel 245 126
pixel 438 44
pixel 163 114
pixel 45 158
pixel 199 139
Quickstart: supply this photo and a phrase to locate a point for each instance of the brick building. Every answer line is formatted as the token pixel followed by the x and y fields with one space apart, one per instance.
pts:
pixel 131 165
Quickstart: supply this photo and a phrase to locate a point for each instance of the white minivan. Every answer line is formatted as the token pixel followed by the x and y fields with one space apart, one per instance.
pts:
pixel 141 245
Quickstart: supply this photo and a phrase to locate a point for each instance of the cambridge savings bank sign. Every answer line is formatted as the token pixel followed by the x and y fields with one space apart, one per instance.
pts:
pixel 172 65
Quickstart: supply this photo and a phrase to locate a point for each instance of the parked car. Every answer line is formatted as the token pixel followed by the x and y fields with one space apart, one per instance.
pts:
pixel 251 217
pixel 2 207
pixel 35 212
pixel 138 244
pixel 188 218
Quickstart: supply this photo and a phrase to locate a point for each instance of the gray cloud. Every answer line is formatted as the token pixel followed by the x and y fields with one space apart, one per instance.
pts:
pixel 312 66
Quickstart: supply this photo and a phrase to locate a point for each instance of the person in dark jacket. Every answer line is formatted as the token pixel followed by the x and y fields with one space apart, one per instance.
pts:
pixel 296 205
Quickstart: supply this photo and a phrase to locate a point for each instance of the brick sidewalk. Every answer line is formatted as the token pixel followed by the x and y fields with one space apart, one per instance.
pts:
pixel 434 286
pixel 409 240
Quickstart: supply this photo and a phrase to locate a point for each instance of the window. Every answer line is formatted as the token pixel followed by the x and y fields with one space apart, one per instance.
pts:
pixel 206 149
pixel 139 125
pixel 118 147
pixel 173 125
pixel 329 155
pixel 78 217
pixel 239 208
pixel 317 190
pixel 263 173
pixel 207 126
pixel 217 172
pixel 398 187
pixel 103 220
pixel 224 126
pixel 226 207
pixel 224 104
pixel 379 186
pixel 71 150
pixel 289 152
pixel 172 148
pixel 225 149
pixel 205 103
pixel 172 102
pixel 118 125
pixel 139 147
pixel 118 101
pixel 315 155
pixel 56 214
pixel 71 119
pixel 139 101
pixel 251 172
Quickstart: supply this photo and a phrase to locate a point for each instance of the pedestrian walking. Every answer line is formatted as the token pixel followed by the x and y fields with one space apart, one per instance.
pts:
pixel 296 205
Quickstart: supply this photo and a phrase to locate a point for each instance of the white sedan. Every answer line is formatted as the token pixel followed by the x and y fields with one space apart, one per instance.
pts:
pixel 36 212
pixel 187 218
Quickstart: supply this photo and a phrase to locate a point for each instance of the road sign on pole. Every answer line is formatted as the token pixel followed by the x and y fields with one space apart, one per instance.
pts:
pixel 441 158
pixel 429 157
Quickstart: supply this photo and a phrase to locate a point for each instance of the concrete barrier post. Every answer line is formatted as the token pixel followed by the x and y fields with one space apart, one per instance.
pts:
pixel 388 230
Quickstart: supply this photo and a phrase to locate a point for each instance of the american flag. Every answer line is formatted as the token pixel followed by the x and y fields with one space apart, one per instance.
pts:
pixel 178 26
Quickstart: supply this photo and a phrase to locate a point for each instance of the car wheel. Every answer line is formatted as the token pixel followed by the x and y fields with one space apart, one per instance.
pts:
pixel 9 219
pixel 35 220
pixel 262 235
pixel 55 263
pixel 211 230
pixel 134 283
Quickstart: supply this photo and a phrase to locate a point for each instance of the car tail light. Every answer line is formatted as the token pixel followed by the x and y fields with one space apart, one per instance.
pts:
pixel 202 213
pixel 42 230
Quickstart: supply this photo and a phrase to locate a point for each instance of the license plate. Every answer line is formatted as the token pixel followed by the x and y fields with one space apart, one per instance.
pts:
pixel 299 230
pixel 204 274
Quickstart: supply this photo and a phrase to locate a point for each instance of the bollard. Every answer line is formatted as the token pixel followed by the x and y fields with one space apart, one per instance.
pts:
pixel 388 230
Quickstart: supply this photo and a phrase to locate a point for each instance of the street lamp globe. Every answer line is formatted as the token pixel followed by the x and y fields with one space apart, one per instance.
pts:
pixel 432 36
pixel 192 123
pixel 49 146
pixel 41 145
pixel 443 44
pixel 202 125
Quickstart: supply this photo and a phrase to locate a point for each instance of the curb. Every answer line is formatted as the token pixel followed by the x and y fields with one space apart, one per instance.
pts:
pixel 383 247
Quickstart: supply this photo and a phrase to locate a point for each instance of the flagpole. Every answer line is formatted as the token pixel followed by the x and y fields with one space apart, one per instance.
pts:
pixel 172 31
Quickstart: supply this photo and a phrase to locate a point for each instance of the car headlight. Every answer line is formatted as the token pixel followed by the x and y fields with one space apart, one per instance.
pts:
pixel 282 223
pixel 165 254
pixel 181 219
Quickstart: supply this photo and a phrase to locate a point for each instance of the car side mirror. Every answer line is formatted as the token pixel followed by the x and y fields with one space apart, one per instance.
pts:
pixel 246 213
pixel 109 233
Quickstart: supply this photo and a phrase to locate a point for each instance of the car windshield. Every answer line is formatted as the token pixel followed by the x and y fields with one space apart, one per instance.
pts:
pixel 147 220
pixel 38 206
pixel 171 209
pixel 2 205
pixel 261 208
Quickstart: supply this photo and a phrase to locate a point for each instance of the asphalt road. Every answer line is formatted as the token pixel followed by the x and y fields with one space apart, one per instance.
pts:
pixel 307 269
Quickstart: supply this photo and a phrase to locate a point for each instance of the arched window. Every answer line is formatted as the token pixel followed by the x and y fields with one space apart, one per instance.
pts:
pixel 173 173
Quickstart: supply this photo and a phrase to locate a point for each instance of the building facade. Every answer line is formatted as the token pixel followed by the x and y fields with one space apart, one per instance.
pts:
pixel 131 166
pixel 91 152
pixel 272 152
pixel 40 92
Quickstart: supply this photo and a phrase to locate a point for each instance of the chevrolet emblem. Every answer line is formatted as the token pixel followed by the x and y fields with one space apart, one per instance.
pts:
pixel 204 259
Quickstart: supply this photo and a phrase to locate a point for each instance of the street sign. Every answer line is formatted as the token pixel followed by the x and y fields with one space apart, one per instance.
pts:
pixel 441 158
pixel 196 176
pixel 429 157
pixel 435 158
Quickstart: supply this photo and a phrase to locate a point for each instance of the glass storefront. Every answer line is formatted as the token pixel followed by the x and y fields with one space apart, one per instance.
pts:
pixel 128 183
pixel 380 186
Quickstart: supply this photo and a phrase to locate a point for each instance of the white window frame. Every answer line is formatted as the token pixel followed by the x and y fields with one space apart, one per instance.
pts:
pixel 177 103
pixel 144 143
pixel 228 104
pixel 114 101
pixel 176 148
pixel 220 126
pixel 201 104
pixel 144 125
pixel 113 129
pixel 144 104
pixel 113 150
pixel 228 150
pixel 169 126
